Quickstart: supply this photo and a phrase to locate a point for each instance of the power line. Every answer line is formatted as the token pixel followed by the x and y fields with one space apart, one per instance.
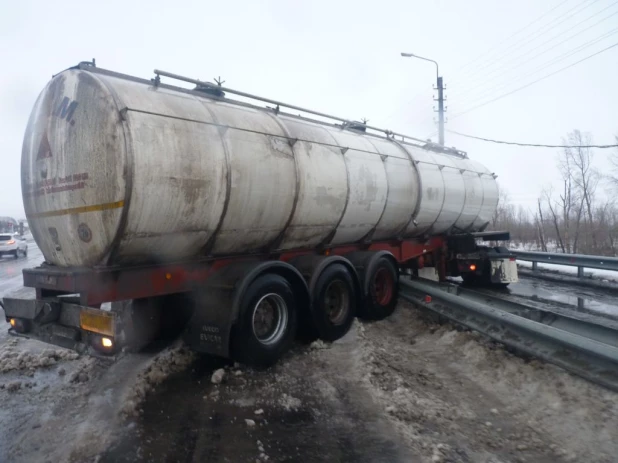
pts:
pixel 539 33
pixel 483 79
pixel 546 65
pixel 556 60
pixel 535 81
pixel 518 32
pixel 532 145
pixel 512 35
pixel 534 36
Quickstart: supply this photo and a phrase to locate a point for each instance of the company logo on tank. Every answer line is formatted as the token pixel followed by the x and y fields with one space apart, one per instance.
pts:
pixel 58 184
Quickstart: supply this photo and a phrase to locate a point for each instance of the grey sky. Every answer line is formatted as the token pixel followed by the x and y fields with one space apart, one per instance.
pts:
pixel 341 57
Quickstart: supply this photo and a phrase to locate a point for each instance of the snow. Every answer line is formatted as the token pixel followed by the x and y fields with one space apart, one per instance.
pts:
pixel 608 275
pixel 155 370
pixel 217 376
pixel 449 377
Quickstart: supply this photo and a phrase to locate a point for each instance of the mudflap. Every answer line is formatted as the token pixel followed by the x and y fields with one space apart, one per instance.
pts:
pixel 215 306
pixel 209 327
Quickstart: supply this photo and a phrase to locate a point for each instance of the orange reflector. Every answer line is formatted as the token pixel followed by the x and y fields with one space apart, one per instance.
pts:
pixel 327 252
pixel 472 267
pixel 12 322
pixel 168 276
pixel 106 342
pixel 97 321
pixel 428 299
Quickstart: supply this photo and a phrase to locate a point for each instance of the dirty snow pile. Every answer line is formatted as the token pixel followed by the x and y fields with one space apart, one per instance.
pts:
pixel 454 395
pixel 250 389
pixel 172 360
pixel 12 358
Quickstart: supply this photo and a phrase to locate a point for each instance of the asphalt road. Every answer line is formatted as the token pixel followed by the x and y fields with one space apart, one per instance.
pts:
pixel 11 277
pixel 10 268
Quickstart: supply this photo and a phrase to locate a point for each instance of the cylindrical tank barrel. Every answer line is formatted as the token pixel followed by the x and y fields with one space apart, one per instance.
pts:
pixel 117 170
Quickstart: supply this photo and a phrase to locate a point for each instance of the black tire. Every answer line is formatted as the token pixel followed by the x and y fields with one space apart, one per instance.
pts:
pixel 333 305
pixel 26 252
pixel 16 254
pixel 382 291
pixel 267 292
pixel 470 279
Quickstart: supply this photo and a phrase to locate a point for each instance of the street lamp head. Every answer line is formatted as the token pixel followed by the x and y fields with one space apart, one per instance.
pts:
pixel 407 55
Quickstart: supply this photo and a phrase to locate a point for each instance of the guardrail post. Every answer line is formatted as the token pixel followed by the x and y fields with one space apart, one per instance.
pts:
pixel 535 266
pixel 580 272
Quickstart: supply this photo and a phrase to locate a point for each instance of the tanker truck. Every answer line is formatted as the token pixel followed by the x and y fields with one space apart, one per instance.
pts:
pixel 238 222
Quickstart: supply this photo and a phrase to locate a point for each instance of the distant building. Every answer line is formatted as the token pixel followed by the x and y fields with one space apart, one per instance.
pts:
pixel 8 225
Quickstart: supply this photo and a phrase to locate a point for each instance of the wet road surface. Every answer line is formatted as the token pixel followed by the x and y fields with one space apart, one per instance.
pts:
pixel 11 277
pixel 10 268
pixel 576 298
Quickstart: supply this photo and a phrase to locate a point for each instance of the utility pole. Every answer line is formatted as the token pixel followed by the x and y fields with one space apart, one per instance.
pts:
pixel 440 111
pixel 440 100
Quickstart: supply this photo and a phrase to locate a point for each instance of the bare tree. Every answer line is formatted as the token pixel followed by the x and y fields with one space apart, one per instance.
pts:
pixel 571 216
pixel 613 159
pixel 540 226
pixel 555 219
pixel 581 174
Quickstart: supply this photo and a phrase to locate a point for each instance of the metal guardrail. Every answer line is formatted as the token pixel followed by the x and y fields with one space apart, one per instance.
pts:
pixel 580 348
pixel 581 261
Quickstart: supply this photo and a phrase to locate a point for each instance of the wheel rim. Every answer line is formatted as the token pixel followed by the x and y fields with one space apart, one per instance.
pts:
pixel 270 319
pixel 336 302
pixel 383 286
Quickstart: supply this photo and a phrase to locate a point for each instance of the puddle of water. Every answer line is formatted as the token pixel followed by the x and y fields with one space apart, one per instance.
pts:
pixel 537 290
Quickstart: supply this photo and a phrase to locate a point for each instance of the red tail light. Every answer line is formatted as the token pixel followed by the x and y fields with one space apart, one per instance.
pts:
pixel 472 267
pixel 512 259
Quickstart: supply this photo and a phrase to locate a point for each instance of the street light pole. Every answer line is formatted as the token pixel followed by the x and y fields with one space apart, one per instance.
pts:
pixel 440 89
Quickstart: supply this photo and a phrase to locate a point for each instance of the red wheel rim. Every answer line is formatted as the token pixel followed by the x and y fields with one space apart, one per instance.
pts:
pixel 383 286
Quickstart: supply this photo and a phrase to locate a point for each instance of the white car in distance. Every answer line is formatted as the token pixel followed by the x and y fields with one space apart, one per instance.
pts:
pixel 13 244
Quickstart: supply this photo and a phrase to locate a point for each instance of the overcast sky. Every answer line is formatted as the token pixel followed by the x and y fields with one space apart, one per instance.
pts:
pixel 342 57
